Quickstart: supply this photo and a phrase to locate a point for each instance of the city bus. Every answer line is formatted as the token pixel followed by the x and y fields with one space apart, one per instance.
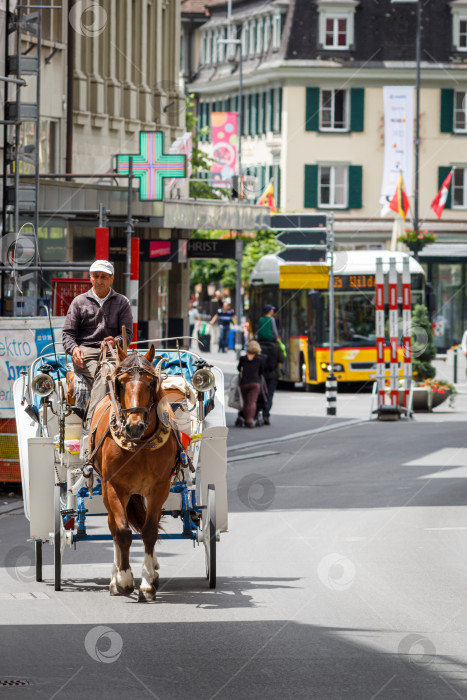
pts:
pixel 303 314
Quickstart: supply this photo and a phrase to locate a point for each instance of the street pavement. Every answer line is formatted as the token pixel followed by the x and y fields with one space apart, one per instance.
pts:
pixel 343 574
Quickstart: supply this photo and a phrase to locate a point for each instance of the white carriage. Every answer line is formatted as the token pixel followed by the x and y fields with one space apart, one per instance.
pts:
pixel 57 497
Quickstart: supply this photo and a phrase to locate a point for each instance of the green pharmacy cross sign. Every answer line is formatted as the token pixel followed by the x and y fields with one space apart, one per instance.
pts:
pixel 151 165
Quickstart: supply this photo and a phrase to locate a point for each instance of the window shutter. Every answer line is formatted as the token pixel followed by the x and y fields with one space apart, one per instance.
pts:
pixel 355 187
pixel 270 110
pixel 312 109
pixel 357 109
pixel 263 123
pixel 277 186
pixel 443 172
pixel 311 187
pixel 447 111
pixel 279 109
pixel 254 114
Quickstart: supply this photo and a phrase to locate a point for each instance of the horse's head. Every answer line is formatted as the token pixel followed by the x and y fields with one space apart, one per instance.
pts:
pixel 137 388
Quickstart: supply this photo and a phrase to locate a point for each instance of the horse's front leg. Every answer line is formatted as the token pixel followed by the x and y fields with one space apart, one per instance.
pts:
pixel 149 575
pixel 122 581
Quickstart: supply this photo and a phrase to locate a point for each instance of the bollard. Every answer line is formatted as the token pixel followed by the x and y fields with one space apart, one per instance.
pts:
pixel 454 379
pixel 331 394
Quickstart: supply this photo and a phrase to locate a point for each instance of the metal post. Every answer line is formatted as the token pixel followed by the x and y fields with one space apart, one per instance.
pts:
pixel 240 117
pixel 238 296
pixel 129 229
pixel 331 381
pixel 417 113
pixel 454 379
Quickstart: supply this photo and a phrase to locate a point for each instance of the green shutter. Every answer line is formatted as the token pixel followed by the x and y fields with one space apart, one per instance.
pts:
pixel 263 124
pixel 311 187
pixel 270 125
pixel 355 187
pixel 254 114
pixel 447 111
pixel 357 109
pixel 443 172
pixel 279 107
pixel 312 109
pixel 277 187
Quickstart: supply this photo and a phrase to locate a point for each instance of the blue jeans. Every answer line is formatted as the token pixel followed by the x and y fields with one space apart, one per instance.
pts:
pixel 223 337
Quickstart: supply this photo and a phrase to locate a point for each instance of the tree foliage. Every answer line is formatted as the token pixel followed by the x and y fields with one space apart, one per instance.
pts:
pixel 423 348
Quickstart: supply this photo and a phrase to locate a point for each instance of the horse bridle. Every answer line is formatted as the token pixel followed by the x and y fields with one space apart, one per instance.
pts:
pixel 135 372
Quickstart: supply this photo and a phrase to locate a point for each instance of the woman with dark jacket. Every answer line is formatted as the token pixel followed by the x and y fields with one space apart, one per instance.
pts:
pixel 251 367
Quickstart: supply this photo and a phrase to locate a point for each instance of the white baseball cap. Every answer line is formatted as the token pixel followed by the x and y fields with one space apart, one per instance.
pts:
pixel 102 266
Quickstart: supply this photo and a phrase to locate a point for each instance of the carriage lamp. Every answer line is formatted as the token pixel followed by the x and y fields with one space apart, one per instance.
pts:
pixel 203 380
pixel 42 385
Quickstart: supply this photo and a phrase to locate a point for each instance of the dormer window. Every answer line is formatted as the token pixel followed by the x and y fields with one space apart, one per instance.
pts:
pixel 336 24
pixel 252 39
pixel 267 34
pixel 276 31
pixel 245 39
pixel 259 37
pixel 459 24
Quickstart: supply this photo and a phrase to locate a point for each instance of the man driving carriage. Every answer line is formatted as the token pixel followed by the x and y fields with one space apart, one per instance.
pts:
pixel 94 319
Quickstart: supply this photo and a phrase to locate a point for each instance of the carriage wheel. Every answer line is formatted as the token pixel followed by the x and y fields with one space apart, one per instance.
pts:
pixel 38 557
pixel 59 534
pixel 210 536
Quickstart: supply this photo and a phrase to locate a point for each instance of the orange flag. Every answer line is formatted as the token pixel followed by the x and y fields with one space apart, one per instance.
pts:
pixel 267 198
pixel 399 203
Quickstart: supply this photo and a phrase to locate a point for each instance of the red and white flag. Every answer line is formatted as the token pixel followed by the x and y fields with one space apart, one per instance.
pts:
pixel 439 201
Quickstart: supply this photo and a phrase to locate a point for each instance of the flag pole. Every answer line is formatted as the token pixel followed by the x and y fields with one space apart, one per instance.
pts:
pixel 417 114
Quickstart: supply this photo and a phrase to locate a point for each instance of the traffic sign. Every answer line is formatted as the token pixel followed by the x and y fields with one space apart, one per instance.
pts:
pixel 301 221
pixel 303 255
pixel 297 238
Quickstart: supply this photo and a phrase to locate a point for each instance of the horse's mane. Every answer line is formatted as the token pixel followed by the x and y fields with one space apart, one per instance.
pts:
pixel 135 359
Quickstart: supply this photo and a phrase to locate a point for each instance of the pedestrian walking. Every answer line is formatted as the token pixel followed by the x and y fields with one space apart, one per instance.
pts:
pixel 267 329
pixel 224 317
pixel 193 316
pixel 273 358
pixel 251 368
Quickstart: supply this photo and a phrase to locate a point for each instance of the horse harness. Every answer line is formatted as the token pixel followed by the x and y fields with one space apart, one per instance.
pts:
pixel 117 419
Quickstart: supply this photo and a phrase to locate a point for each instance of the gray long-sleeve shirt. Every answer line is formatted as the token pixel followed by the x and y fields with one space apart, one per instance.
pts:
pixel 87 323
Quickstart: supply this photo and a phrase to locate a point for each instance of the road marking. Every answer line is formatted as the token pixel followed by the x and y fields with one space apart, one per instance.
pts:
pixel 298 436
pixel 445 528
pixel 252 455
pixel 446 457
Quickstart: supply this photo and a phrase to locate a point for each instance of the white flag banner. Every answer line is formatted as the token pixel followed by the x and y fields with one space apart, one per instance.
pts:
pixel 398 140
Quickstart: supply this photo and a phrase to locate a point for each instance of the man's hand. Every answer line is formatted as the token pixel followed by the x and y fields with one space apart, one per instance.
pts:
pixel 78 356
pixel 110 339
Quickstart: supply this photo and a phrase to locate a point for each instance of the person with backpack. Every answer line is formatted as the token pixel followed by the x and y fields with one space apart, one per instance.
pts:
pixel 267 329
pixel 273 357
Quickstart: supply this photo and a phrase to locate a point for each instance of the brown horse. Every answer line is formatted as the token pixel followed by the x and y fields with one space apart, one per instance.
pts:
pixel 137 452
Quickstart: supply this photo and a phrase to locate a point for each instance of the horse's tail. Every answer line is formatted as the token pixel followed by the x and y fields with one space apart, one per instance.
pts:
pixel 136 513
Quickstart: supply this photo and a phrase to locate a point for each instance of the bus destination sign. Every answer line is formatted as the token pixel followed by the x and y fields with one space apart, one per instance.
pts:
pixel 352 282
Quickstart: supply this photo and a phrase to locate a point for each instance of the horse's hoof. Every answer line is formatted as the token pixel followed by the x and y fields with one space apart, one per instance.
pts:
pixel 115 589
pixel 147 595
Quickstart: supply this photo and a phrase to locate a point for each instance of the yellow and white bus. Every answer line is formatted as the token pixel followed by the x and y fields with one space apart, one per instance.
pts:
pixel 303 313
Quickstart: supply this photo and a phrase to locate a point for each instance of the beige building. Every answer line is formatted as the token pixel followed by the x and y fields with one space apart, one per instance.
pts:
pixel 109 70
pixel 313 113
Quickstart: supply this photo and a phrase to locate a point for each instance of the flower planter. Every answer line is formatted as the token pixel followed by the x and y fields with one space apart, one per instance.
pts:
pixel 424 399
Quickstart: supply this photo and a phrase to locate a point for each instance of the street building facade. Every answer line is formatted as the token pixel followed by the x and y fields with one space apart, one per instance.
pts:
pixel 313 105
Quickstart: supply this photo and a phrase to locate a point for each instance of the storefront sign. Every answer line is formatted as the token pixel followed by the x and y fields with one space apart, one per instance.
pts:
pixel 151 166
pixel 21 341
